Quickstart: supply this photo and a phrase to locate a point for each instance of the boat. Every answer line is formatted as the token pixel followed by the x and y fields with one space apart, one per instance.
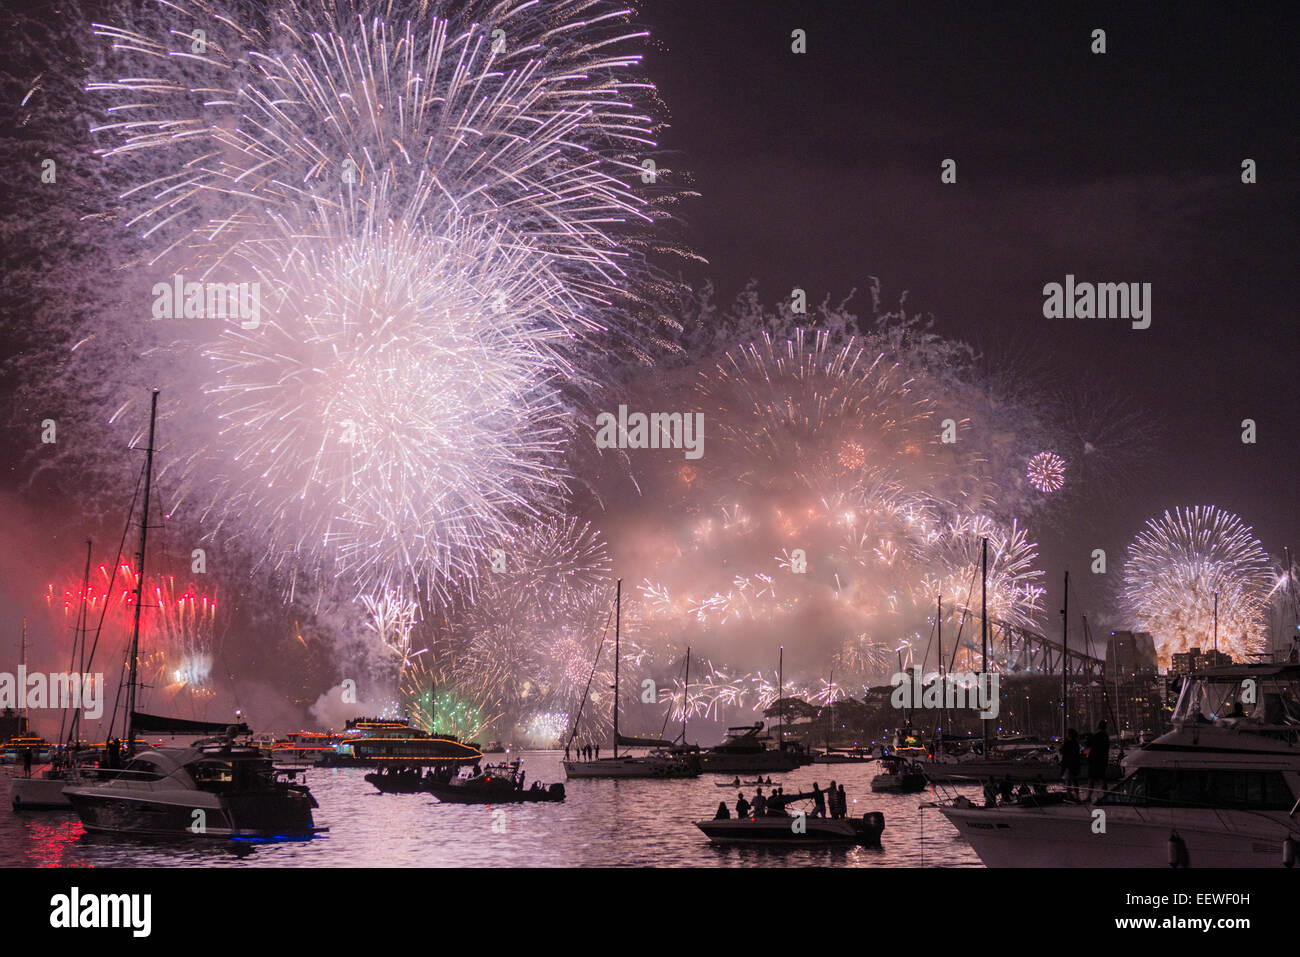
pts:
pixel 778 826
pixel 303 747
pixel 1218 790
pixel 854 755
pixel 901 775
pixel 745 751
pixel 371 742
pixel 11 752
pixel 215 788
pixel 493 784
pixel 664 759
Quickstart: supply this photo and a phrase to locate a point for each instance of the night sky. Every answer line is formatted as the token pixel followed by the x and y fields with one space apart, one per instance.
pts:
pixel 823 169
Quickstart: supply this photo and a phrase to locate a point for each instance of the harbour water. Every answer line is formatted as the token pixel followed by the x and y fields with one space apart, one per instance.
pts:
pixel 602 823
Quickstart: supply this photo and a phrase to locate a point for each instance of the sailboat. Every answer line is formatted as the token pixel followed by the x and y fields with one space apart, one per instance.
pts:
pixel 663 761
pixel 217 787
pixel 43 790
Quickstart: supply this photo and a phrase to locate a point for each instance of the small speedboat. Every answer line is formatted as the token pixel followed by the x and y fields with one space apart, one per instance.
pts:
pixel 784 829
pixel 900 776
pixel 494 784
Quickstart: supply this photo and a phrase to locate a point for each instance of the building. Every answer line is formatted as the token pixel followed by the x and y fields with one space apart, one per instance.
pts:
pixel 1194 660
pixel 1131 654
pixel 12 725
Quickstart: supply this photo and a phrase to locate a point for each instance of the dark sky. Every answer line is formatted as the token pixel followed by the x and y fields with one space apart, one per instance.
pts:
pixel 820 170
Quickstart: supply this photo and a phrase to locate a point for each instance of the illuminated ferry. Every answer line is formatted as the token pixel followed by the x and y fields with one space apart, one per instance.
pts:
pixel 12 751
pixel 372 742
pixel 305 747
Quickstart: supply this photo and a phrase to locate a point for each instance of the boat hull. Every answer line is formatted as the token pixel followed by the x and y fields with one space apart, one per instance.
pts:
pixel 39 793
pixel 794 831
pixel 646 767
pixel 173 813
pixel 1063 836
pixel 898 783
pixel 765 761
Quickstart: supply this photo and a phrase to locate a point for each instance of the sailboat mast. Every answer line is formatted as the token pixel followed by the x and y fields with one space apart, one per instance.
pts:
pixel 139 582
pixel 938 626
pixel 24 670
pixel 79 649
pixel 618 617
pixel 780 711
pixel 984 628
pixel 686 694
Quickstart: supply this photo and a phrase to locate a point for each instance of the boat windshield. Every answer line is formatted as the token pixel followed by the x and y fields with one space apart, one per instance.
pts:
pixel 1269 699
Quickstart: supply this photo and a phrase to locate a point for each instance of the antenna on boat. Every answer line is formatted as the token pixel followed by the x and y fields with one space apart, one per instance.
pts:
pixel 618 615
pixel 139 582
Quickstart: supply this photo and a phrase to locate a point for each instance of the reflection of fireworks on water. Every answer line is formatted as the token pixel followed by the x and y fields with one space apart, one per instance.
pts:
pixel 1046 472
pixel 1175 567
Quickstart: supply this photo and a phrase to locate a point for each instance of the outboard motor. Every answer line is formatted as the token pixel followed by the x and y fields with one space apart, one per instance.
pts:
pixel 556 791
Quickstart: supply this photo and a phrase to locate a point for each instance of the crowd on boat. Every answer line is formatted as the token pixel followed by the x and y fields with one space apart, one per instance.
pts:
pixel 832 802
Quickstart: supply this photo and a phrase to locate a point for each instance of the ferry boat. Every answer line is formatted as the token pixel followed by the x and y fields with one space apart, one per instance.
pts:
pixel 304 747
pixel 745 750
pixel 369 742
pixel 11 752
pixel 1219 790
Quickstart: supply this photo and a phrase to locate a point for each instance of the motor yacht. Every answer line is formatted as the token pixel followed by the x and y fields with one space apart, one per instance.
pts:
pixel 1222 789
pixel 212 789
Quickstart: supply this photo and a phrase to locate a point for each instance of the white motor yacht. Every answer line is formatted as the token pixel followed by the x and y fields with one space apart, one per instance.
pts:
pixel 1222 789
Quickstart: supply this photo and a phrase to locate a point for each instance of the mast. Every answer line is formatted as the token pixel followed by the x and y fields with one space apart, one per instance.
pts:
pixel 984 629
pixel 780 695
pixel 24 671
pixel 139 582
pixel 1065 657
pixel 1216 621
pixel 79 641
pixel 938 626
pixel 618 613
pixel 686 694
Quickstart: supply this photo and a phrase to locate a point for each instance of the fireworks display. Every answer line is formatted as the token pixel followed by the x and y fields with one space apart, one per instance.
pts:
pixel 1046 472
pixel 1179 564
pixel 440 209
pixel 437 247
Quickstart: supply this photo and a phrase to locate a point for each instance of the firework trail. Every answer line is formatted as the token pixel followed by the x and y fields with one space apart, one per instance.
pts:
pixel 1177 565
